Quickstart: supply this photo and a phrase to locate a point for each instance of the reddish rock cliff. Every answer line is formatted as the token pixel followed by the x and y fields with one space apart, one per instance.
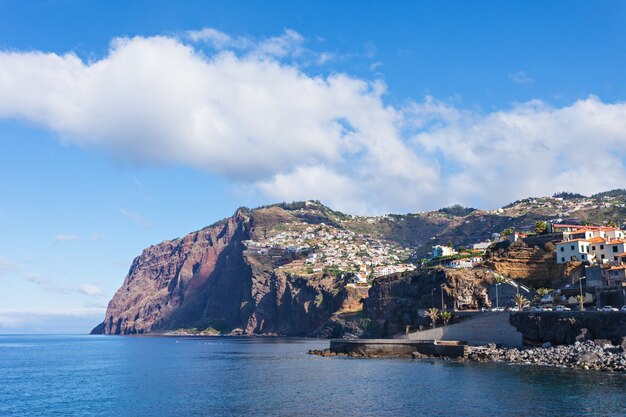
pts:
pixel 208 280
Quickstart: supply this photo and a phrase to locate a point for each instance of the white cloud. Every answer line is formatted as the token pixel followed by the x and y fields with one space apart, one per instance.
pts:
pixel 218 39
pixel 64 238
pixel 244 113
pixel 50 285
pixel 36 278
pixel 136 217
pixel 89 289
pixel 531 149
pixel 520 77
pixel 97 237
pixel 290 43
pixel 6 266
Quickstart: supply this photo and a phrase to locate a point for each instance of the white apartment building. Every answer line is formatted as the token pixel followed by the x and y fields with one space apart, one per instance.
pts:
pixel 439 251
pixel 590 243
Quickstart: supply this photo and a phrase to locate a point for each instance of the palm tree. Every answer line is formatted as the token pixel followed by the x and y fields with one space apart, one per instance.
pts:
pixel 521 301
pixel 432 314
pixel 541 227
pixel 541 292
pixel 581 301
pixel 445 317
pixel 498 279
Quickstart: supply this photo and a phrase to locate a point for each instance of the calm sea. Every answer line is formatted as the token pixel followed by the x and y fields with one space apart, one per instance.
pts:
pixel 146 376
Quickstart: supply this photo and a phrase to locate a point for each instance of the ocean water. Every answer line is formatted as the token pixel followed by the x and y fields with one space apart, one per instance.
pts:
pixel 151 376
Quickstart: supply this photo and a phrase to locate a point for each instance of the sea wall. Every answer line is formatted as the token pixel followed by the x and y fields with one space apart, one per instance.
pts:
pixel 562 328
pixel 480 329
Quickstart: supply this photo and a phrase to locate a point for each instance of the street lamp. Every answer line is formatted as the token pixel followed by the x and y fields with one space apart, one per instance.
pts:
pixel 497 299
pixel 442 287
pixel 580 283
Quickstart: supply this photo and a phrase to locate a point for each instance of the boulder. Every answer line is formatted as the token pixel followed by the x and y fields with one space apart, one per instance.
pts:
pixel 584 335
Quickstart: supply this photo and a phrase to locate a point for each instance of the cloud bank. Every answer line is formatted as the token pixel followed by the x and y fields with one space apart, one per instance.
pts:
pixel 246 110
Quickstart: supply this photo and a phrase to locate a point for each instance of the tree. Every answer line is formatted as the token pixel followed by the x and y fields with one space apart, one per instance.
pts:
pixel 521 301
pixel 541 292
pixel 506 233
pixel 432 314
pixel 541 227
pixel 611 223
pixel 498 279
pixel 445 317
pixel 450 244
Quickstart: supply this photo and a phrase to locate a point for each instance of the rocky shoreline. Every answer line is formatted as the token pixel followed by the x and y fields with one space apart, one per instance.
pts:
pixel 598 355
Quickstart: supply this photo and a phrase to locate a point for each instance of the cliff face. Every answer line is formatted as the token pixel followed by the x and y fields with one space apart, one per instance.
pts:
pixel 208 280
pixel 534 264
pixel 181 281
pixel 394 300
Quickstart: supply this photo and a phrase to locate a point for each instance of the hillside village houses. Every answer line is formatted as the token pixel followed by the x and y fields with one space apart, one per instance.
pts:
pixel 328 247
pixel 440 251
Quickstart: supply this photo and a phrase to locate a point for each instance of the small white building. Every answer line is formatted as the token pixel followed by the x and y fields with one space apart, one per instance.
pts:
pixel 482 246
pixel 439 251
pixel 465 262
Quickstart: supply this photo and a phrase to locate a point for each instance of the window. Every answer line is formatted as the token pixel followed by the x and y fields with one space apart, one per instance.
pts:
pixel 563 259
pixel 593 248
pixel 615 249
pixel 584 257
pixel 572 247
pixel 602 256
pixel 615 258
pixel 562 248
pixel 601 247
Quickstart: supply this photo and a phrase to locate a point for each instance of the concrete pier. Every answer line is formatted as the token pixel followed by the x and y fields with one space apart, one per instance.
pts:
pixel 399 347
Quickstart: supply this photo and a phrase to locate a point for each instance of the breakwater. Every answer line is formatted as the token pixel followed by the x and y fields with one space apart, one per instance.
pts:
pixel 599 355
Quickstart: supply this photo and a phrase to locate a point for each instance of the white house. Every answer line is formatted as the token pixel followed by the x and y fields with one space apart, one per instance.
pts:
pixel 465 262
pixel 590 243
pixel 438 251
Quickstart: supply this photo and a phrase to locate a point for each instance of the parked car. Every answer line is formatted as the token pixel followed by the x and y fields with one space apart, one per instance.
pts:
pixel 546 308
pixel 623 309
pixel 609 308
pixel 562 308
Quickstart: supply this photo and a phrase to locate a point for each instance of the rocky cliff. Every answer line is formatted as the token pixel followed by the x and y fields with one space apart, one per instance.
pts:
pixel 208 280
pixel 394 300
pixel 534 263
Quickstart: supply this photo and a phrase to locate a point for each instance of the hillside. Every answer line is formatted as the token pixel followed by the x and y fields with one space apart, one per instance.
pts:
pixel 285 268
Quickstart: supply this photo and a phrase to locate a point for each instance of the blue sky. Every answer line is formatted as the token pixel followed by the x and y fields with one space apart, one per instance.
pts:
pixel 122 125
